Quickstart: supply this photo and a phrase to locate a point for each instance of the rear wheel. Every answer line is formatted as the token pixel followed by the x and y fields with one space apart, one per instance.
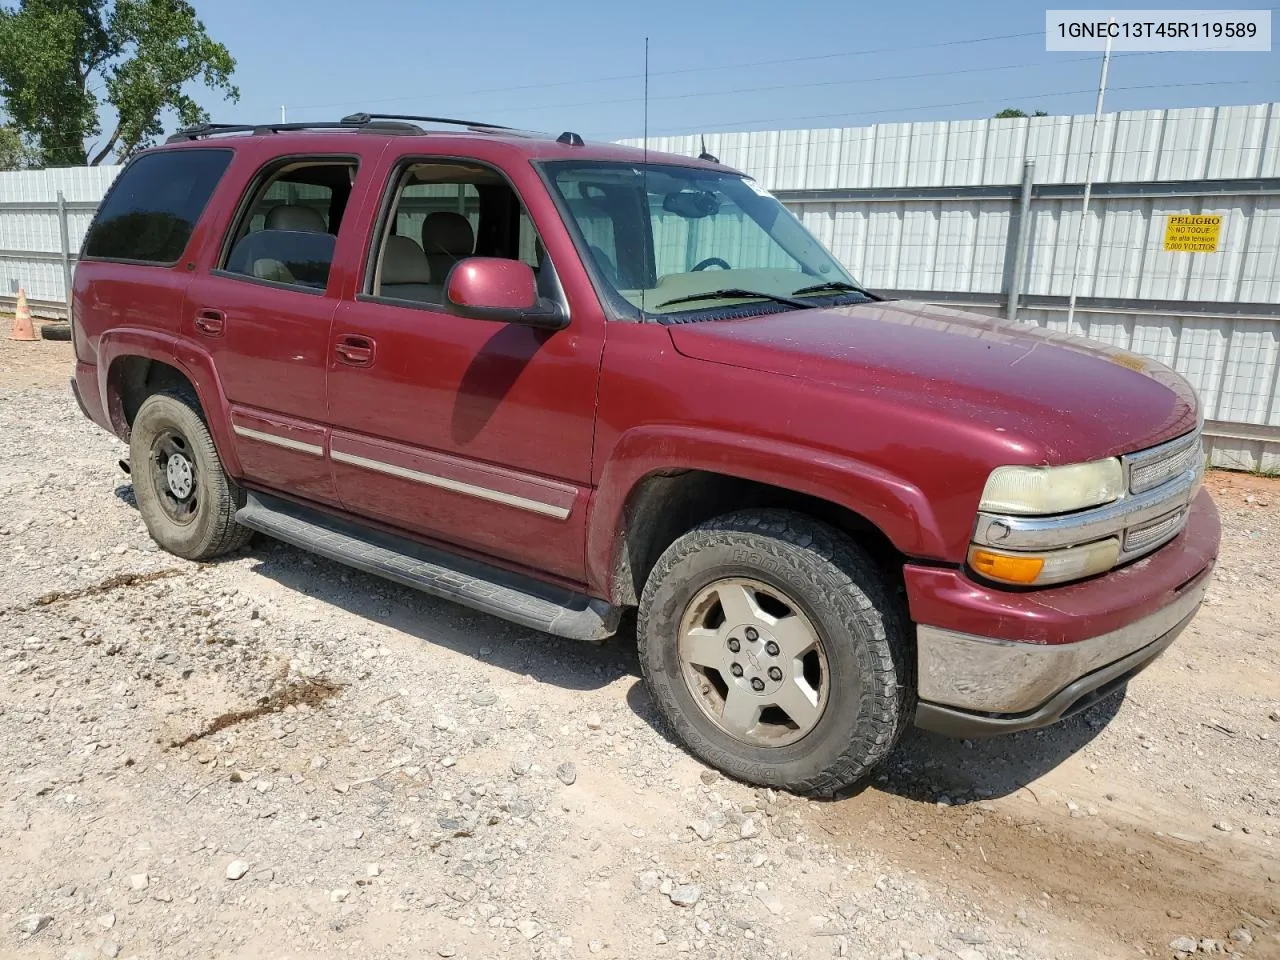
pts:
pixel 185 497
pixel 775 649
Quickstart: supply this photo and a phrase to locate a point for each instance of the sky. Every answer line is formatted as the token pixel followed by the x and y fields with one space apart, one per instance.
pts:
pixel 713 64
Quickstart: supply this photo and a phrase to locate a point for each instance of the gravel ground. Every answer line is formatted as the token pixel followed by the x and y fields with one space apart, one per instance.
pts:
pixel 275 756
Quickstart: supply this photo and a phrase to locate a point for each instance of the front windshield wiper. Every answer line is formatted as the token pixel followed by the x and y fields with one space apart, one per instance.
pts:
pixel 835 286
pixel 735 293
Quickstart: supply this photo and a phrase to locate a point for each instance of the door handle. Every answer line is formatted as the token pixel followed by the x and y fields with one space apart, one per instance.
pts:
pixel 212 323
pixel 355 350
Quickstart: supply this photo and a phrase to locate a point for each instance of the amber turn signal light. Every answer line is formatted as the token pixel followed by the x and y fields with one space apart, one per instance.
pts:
pixel 1004 567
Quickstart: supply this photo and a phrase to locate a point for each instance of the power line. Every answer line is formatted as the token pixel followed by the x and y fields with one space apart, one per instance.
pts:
pixel 684 70
pixel 1021 97
pixel 809 85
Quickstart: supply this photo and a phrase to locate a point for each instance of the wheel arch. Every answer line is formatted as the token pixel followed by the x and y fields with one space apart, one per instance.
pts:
pixel 661 480
pixel 134 364
pixel 663 505
pixel 131 378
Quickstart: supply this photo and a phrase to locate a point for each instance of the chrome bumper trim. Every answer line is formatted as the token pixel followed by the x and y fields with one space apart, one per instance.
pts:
pixel 987 675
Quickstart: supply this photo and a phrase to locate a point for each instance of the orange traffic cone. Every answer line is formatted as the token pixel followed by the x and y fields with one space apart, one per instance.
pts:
pixel 22 328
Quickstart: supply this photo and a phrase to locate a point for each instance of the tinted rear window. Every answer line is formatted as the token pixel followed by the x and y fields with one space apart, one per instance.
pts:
pixel 152 208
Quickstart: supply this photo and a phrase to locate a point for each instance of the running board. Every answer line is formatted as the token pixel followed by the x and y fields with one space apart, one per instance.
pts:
pixel 510 596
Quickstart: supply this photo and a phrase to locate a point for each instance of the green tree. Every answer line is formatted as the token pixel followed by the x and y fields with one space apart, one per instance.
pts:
pixel 1009 113
pixel 62 60
pixel 14 153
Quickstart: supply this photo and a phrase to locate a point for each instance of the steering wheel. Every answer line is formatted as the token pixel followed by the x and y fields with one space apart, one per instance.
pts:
pixel 711 262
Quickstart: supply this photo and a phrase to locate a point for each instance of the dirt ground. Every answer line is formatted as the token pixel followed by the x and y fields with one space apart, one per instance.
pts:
pixel 274 756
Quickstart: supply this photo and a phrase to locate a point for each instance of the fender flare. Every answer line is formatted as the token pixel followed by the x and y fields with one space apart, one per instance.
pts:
pixel 194 364
pixel 896 507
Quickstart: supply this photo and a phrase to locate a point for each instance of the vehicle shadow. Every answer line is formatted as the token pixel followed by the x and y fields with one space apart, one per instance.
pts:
pixel 124 493
pixel 931 768
pixel 570 664
pixel 925 767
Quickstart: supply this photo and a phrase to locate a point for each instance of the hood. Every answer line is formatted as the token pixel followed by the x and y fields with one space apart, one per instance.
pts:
pixel 1073 399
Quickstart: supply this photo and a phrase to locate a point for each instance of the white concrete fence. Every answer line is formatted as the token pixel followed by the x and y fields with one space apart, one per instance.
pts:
pixel 985 214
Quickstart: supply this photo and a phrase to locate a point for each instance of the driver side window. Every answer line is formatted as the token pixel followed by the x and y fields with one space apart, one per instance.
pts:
pixel 440 214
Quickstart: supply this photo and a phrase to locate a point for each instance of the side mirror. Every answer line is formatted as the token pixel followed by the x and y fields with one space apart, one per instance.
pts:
pixel 492 288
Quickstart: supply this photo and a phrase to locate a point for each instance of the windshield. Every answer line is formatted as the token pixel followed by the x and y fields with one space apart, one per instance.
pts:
pixel 669 240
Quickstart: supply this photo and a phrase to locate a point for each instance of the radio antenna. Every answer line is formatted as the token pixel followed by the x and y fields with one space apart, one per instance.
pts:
pixel 644 167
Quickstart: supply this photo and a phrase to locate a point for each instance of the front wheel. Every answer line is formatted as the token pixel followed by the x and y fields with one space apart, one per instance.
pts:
pixel 775 649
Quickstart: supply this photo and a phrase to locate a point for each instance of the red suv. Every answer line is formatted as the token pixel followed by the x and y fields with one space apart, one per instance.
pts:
pixel 553 381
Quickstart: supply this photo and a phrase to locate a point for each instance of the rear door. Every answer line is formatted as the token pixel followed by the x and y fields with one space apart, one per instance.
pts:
pixel 471 432
pixel 264 312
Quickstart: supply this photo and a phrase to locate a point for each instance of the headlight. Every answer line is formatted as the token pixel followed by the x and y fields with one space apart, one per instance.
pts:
pixel 1049 566
pixel 1049 490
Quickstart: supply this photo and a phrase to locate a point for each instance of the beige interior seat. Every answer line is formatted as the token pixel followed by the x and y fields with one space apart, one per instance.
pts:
pixel 447 237
pixel 405 272
pixel 269 268
pixel 293 216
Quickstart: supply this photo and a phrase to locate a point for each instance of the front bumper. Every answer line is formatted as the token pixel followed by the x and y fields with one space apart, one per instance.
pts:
pixel 1050 653
pixel 979 687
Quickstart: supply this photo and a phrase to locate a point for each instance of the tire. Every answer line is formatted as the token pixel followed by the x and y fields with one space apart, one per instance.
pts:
pixel 201 525
pixel 837 593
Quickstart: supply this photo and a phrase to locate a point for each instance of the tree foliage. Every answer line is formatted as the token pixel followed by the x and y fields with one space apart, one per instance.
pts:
pixel 14 154
pixel 1009 113
pixel 62 60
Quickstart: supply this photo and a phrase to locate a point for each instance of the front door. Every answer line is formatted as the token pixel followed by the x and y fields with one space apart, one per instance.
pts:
pixel 264 314
pixel 471 432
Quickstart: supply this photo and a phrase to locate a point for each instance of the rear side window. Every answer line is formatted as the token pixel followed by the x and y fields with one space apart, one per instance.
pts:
pixel 154 205
pixel 288 230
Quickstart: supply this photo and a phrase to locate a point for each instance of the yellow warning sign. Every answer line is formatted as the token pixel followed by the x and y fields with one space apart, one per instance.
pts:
pixel 1193 234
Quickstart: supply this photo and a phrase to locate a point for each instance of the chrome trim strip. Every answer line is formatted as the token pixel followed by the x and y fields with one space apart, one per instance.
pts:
pixel 1046 533
pixel 1005 676
pixel 287 442
pixel 456 486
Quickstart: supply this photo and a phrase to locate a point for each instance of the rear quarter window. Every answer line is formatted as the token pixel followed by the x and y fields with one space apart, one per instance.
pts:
pixel 154 205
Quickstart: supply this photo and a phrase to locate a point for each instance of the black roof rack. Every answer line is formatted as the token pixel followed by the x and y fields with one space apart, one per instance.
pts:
pixel 368 117
pixel 380 122
pixel 201 130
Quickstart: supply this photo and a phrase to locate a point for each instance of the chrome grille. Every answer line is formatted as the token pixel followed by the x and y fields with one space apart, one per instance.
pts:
pixel 1157 531
pixel 1147 469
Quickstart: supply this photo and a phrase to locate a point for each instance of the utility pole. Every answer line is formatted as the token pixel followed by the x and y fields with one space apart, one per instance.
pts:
pixel 1088 182
pixel 283 120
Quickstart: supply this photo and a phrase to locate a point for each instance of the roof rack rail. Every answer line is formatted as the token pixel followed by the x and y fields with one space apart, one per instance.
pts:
pixel 367 117
pixel 390 122
pixel 355 122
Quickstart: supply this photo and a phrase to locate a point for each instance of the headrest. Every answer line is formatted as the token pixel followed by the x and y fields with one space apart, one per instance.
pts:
pixel 291 216
pixel 404 262
pixel 447 232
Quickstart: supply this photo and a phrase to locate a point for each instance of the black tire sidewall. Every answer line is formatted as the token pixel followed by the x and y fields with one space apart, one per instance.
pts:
pixel 853 633
pixel 158 413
